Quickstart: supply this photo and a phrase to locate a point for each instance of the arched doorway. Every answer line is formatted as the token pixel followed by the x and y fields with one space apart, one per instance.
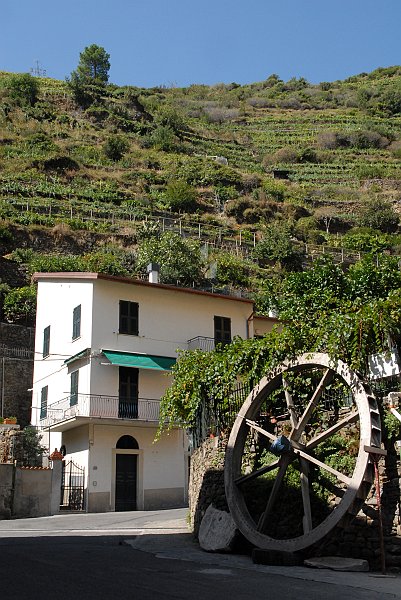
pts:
pixel 126 474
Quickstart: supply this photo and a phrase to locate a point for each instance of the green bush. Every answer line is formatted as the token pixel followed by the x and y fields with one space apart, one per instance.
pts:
pixel 23 89
pixel 379 214
pixel 5 233
pixel 20 305
pixel 180 196
pixel 233 270
pixel 164 138
pixel 115 147
pixel 180 260
pixel 277 246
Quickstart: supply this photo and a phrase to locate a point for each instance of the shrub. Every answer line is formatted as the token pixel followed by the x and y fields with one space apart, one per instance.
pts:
pixel 215 114
pixel 20 305
pixel 164 138
pixel 390 101
pixel 60 164
pixel 395 149
pixel 379 214
pixel 180 195
pixel 236 208
pixel 40 142
pixel 168 117
pixel 233 270
pixel 259 102
pixel 5 233
pixel 115 147
pixel 107 261
pixel 277 246
pixel 366 240
pixel 362 140
pixel 180 260
pixel 369 171
pixel 97 113
pixel 23 89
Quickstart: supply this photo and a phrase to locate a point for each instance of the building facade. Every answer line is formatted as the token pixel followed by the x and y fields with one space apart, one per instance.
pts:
pixel 104 348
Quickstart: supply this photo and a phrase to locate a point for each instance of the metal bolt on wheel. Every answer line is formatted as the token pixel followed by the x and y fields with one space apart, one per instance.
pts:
pixel 291 478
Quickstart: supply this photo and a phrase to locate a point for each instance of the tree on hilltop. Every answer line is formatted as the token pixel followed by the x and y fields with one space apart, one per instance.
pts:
pixel 94 64
pixel 91 75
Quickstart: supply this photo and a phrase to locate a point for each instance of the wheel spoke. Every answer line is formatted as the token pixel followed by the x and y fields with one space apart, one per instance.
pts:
pixel 322 465
pixel 307 521
pixel 257 473
pixel 283 464
pixel 290 404
pixel 327 377
pixel 256 427
pixel 351 418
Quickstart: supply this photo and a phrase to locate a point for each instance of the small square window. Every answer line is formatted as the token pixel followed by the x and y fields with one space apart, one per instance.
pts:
pixel 128 322
pixel 76 322
pixel 46 341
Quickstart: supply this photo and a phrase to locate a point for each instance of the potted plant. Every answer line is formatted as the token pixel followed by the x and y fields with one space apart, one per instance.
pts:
pixel 10 420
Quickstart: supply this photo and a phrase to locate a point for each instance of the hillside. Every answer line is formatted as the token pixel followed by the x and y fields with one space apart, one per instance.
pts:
pixel 228 164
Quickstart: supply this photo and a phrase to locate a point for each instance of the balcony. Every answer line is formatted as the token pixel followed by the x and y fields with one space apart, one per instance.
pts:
pixel 200 342
pixel 100 407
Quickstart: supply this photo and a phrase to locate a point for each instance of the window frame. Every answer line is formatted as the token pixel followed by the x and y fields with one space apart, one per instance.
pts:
pixel 128 320
pixel 76 322
pixel 44 396
pixel 222 330
pixel 74 383
pixel 46 342
pixel 128 402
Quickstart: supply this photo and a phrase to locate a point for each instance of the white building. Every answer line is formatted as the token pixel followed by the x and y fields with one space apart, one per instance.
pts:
pixel 103 348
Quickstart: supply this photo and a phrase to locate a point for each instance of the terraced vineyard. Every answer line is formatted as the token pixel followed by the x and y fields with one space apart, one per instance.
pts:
pixel 226 164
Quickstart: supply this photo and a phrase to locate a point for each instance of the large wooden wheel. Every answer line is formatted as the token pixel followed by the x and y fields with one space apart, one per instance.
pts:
pixel 296 462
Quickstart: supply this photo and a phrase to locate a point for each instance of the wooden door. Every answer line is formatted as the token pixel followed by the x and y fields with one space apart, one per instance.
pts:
pixel 126 478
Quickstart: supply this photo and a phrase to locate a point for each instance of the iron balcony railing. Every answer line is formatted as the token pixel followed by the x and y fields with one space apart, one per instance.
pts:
pixel 104 407
pixel 201 343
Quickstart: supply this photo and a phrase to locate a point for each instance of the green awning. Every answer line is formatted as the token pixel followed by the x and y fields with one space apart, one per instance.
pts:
pixel 140 361
pixel 83 354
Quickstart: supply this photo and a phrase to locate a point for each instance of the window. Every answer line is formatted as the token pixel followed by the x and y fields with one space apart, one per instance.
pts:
pixel 74 388
pixel 46 341
pixel 76 322
pixel 128 393
pixel 43 401
pixel 222 330
pixel 128 317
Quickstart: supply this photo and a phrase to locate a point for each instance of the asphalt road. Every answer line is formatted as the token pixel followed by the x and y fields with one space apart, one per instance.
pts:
pixel 151 556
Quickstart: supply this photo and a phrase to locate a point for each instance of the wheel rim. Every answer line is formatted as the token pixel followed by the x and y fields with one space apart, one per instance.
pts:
pixel 262 522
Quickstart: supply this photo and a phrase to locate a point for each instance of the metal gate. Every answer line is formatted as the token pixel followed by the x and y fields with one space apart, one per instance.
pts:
pixel 72 487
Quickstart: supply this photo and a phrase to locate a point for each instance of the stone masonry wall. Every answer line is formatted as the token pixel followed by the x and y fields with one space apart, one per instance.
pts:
pixel 357 539
pixel 16 371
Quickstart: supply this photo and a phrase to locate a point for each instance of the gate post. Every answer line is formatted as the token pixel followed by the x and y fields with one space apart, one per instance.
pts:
pixel 57 467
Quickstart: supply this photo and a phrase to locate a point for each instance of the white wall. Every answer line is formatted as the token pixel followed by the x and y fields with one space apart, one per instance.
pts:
pixel 167 318
pixel 161 464
pixel 56 302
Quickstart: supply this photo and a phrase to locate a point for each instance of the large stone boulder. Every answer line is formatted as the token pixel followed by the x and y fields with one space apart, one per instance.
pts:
pixel 217 531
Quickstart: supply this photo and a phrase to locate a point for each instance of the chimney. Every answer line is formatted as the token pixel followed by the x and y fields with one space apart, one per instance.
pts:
pixel 153 272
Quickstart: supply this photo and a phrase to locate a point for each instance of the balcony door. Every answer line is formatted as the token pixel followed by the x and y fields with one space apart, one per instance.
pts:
pixel 128 393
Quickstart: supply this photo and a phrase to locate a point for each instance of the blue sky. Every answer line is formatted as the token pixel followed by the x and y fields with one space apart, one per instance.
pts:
pixel 180 42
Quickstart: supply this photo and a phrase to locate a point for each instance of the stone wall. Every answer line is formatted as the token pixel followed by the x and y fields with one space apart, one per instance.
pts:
pixel 16 371
pixel 206 480
pixel 358 538
pixel 29 492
